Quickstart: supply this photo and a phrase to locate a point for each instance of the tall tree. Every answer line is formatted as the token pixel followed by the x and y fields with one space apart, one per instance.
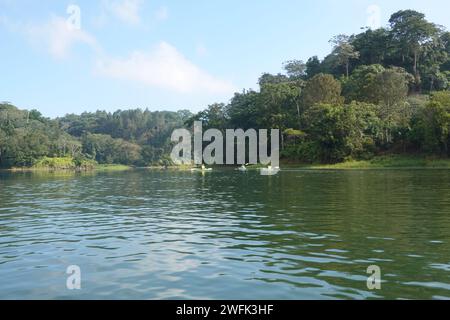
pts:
pixel 295 69
pixel 410 32
pixel 313 67
pixel 372 46
pixel 344 51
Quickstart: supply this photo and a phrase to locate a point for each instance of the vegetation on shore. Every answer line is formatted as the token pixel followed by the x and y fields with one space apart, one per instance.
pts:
pixel 388 162
pixel 384 91
pixel 112 167
pixel 69 164
pixel 66 163
pixel 379 162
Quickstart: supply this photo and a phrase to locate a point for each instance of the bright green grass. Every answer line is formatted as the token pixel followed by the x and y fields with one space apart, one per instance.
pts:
pixel 70 164
pixel 181 167
pixel 112 167
pixel 66 163
pixel 394 161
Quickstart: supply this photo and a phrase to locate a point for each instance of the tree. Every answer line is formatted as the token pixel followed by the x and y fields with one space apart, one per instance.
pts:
pixel 372 46
pixel 244 110
pixel 434 57
pixel 390 87
pixel 445 39
pixel 280 103
pixel 344 51
pixel 313 67
pixel 390 91
pixel 3 142
pixel 105 149
pixel 410 32
pixel 360 85
pixel 322 88
pixel 295 69
pixel 213 117
pixel 431 128
pixel 270 78
pixel 337 132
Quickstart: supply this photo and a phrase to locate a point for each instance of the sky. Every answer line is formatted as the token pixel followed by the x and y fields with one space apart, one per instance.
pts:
pixel 62 57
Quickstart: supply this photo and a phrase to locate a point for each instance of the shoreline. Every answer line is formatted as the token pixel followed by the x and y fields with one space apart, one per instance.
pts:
pixel 381 162
pixel 97 168
pixel 386 162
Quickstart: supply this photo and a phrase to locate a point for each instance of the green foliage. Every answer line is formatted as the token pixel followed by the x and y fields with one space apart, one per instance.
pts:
pixel 431 127
pixel 338 132
pixel 63 163
pixel 132 137
pixel 54 163
pixel 25 136
pixel 105 149
pixel 244 110
pixel 360 85
pixel 411 34
pixel 295 69
pixel 375 84
pixel 344 52
pixel 372 45
pixel 313 67
pixel 389 161
pixel 322 88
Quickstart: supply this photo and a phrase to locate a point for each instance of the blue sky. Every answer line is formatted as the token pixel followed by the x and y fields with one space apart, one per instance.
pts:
pixel 166 55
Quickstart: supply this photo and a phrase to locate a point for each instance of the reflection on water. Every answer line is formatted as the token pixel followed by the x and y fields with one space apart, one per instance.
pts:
pixel 226 234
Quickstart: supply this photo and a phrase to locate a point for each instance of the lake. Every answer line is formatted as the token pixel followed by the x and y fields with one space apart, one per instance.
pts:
pixel 301 234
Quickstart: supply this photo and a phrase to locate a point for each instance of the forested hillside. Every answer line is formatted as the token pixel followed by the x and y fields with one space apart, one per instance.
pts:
pixel 380 91
pixel 132 137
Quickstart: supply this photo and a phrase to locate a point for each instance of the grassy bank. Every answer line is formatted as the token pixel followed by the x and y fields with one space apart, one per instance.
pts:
pixel 381 162
pixel 183 167
pixel 69 164
pixel 112 167
pixel 392 161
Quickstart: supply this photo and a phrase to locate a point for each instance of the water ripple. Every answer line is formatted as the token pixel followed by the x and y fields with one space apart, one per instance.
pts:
pixel 177 235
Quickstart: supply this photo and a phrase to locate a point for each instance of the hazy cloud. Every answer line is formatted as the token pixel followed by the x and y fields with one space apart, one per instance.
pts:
pixel 127 11
pixel 57 37
pixel 163 67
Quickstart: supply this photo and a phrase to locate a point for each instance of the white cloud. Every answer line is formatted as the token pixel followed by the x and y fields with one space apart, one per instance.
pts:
pixel 127 11
pixel 58 37
pixel 163 67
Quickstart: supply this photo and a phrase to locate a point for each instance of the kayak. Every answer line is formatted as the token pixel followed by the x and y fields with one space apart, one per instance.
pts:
pixel 269 171
pixel 201 170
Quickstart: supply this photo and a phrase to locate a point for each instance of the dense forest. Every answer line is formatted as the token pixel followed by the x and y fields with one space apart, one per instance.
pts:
pixel 132 137
pixel 380 91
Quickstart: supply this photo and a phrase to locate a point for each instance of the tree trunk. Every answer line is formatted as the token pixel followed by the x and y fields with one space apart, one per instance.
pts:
pixel 416 72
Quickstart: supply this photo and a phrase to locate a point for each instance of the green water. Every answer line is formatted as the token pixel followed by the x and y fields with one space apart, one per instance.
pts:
pixel 226 234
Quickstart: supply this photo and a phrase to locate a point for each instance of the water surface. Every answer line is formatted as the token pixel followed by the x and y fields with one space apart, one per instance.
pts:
pixel 226 234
